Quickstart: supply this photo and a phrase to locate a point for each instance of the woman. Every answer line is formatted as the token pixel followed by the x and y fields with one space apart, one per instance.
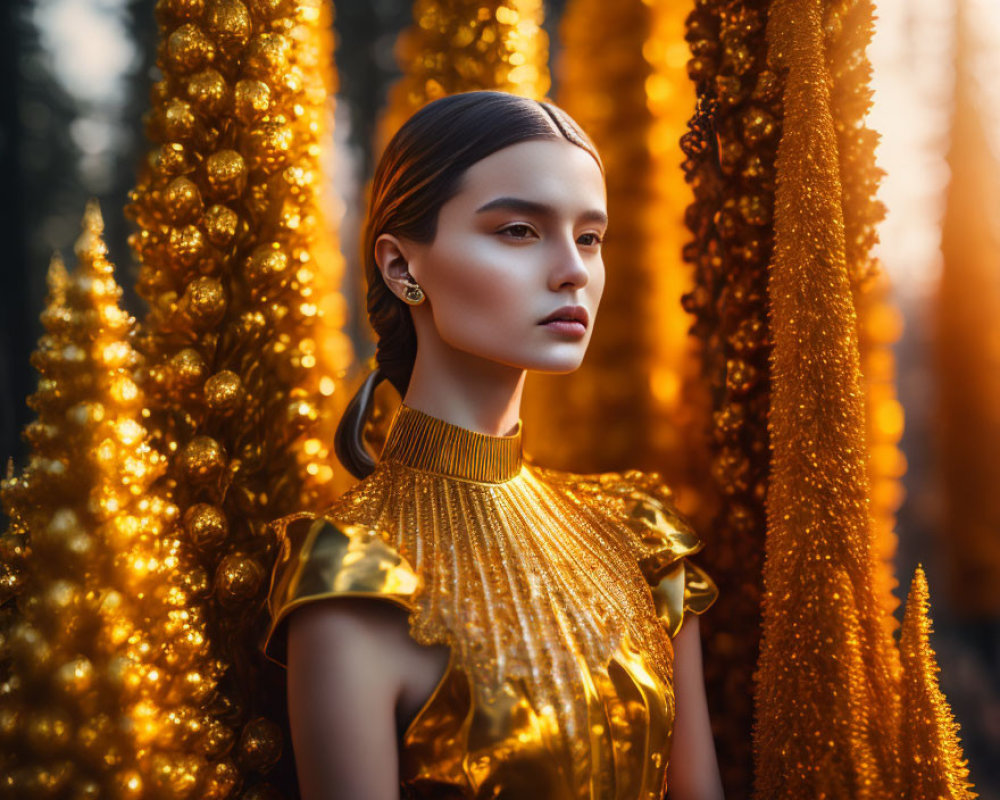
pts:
pixel 532 644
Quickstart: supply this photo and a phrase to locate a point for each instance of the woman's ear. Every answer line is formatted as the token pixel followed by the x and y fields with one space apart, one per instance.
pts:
pixel 391 257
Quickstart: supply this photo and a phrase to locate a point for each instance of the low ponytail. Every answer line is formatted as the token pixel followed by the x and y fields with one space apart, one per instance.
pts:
pixel 349 440
pixel 419 171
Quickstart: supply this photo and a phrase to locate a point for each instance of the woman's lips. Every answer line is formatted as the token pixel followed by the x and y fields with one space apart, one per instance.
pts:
pixel 569 328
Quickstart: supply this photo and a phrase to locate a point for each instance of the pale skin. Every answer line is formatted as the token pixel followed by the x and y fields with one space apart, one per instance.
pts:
pixel 355 677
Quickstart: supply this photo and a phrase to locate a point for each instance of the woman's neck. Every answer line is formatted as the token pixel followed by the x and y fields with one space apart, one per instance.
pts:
pixel 466 390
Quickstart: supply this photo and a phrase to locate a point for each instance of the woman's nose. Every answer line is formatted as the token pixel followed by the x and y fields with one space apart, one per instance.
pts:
pixel 569 268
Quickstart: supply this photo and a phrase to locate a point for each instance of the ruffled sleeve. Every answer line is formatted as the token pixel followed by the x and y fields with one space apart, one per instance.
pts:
pixel 664 541
pixel 319 557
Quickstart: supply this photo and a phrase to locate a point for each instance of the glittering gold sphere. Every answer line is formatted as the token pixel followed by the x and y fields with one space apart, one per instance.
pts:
pixel 222 780
pixel 188 48
pixel 206 526
pixel 265 263
pixel 181 200
pixel 270 146
pixel 224 392
pixel 267 56
pixel 220 225
pixel 188 368
pixel 169 159
pixel 252 98
pixel 175 775
pixel 203 460
pixel 204 301
pixel 209 92
pixel 185 245
pixel 260 744
pixel 226 173
pixel 178 121
pixel 217 740
pixel 238 579
pixel 229 23
pixel 269 9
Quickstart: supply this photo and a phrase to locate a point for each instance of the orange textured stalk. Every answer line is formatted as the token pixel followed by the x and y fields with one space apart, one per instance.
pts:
pixel 821 727
pixel 931 758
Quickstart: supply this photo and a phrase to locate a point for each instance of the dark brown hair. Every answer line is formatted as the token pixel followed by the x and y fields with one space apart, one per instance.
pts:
pixel 420 170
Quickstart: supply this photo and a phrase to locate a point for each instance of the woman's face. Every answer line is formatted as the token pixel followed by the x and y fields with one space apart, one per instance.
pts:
pixel 514 274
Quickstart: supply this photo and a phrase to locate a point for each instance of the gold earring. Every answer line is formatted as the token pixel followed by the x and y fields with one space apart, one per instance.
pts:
pixel 414 295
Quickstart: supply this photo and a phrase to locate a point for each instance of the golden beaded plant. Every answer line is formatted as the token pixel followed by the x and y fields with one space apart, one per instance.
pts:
pixel 101 633
pixel 729 164
pixel 243 334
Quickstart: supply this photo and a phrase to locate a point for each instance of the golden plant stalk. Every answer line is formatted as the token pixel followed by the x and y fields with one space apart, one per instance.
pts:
pixel 243 337
pixel 86 691
pixel 931 759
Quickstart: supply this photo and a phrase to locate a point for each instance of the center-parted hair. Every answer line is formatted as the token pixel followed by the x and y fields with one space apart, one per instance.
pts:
pixel 420 170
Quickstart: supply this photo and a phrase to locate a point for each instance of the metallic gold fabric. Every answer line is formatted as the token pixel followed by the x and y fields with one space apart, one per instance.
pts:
pixel 557 593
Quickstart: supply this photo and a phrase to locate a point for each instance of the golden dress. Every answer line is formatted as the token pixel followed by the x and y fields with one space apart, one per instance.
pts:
pixel 558 595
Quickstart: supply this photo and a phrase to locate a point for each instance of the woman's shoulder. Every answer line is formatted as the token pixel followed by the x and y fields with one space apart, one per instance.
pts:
pixel 319 555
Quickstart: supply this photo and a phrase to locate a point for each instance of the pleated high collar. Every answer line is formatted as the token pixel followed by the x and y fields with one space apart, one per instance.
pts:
pixel 427 443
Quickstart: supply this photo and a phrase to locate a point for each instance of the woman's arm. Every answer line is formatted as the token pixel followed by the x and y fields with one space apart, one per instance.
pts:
pixel 693 771
pixel 342 692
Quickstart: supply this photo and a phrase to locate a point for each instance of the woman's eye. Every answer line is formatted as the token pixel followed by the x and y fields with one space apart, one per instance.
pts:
pixel 594 239
pixel 519 231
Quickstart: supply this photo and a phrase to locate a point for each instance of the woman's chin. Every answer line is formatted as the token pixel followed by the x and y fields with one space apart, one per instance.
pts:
pixel 556 365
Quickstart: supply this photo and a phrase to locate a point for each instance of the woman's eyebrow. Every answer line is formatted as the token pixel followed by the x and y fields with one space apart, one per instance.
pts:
pixel 541 209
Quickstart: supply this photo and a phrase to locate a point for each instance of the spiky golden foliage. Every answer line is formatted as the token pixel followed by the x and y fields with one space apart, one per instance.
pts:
pixel 86 689
pixel 931 760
